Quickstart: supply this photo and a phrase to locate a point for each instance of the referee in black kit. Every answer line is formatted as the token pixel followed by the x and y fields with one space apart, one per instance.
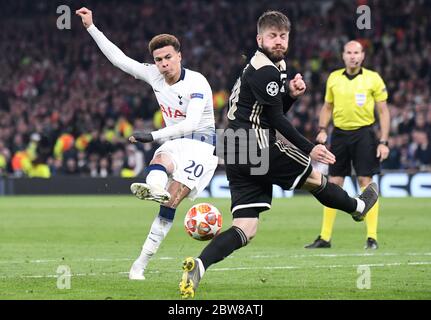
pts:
pixel 258 102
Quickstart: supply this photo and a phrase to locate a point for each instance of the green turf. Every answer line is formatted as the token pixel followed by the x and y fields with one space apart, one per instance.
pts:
pixel 99 237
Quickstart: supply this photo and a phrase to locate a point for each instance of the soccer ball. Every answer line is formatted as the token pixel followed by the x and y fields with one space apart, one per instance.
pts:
pixel 203 221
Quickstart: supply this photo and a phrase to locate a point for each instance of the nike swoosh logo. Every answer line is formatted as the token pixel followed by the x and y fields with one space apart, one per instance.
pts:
pixel 156 90
pixel 190 179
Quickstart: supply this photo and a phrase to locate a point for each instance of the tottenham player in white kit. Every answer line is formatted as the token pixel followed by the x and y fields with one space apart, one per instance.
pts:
pixel 183 165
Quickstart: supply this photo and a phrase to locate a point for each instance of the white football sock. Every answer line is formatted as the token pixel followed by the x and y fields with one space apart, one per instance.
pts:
pixel 157 178
pixel 360 207
pixel 159 230
pixel 201 267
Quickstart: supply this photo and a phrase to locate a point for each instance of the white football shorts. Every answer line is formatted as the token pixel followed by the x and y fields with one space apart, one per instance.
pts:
pixel 194 162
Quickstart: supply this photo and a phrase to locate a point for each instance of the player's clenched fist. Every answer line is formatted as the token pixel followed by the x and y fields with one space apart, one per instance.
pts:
pixel 86 16
pixel 297 86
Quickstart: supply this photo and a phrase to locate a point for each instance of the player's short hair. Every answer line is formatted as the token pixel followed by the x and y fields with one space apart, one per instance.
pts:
pixel 274 19
pixel 163 40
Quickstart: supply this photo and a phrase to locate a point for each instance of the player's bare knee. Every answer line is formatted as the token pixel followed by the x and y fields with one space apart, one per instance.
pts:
pixel 164 160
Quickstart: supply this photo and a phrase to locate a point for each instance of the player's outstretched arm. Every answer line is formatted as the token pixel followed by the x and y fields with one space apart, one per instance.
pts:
pixel 185 127
pixel 110 50
pixel 265 86
pixel 140 136
pixel 280 122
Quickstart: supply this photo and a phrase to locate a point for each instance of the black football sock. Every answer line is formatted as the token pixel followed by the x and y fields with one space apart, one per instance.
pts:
pixel 333 196
pixel 222 246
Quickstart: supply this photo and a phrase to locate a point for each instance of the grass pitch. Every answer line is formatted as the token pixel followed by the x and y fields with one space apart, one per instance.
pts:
pixel 98 238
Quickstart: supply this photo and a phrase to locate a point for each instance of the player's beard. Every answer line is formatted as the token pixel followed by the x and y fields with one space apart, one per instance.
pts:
pixel 274 56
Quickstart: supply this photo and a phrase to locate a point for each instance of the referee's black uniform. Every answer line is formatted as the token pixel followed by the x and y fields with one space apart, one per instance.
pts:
pixel 257 104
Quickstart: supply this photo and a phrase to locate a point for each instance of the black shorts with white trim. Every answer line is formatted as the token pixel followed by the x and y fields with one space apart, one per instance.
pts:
pixel 251 194
pixel 357 148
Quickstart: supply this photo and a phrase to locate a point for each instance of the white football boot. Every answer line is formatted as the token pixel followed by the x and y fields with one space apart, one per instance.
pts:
pixel 144 191
pixel 136 272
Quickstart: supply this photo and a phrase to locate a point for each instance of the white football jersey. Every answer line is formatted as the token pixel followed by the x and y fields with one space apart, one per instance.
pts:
pixel 174 99
pixel 192 90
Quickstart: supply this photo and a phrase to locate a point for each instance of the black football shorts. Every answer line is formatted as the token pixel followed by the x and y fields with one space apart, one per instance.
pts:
pixel 357 148
pixel 251 194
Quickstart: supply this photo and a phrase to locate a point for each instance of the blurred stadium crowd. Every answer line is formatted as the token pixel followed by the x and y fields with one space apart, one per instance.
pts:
pixel 65 110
